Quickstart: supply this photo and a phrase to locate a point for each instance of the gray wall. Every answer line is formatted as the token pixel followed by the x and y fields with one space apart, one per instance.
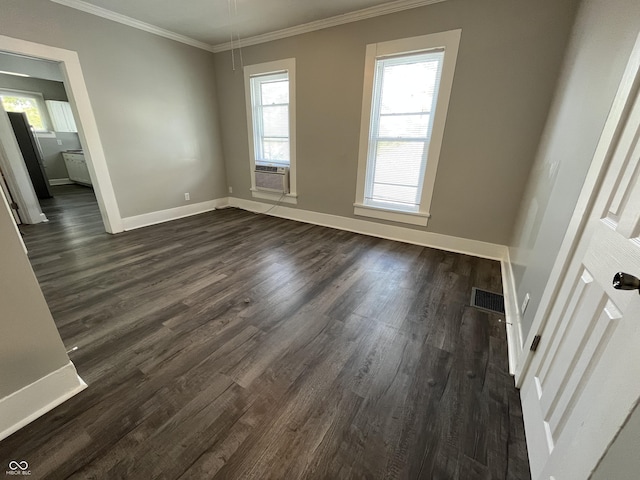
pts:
pixel 30 346
pixel 602 40
pixel 53 160
pixel 153 98
pixel 622 462
pixel 37 68
pixel 50 90
pixel 508 65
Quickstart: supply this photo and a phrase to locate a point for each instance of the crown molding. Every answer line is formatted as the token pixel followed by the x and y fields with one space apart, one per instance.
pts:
pixel 132 22
pixel 378 10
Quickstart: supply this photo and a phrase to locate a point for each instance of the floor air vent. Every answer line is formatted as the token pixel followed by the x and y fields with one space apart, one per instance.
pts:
pixel 489 301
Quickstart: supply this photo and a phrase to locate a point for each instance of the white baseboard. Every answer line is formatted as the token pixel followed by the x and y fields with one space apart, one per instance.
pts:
pixel 59 181
pixel 275 197
pixel 161 216
pixel 34 400
pixel 512 313
pixel 390 232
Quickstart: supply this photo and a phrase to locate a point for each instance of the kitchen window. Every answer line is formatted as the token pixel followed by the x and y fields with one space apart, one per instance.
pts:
pixel 31 103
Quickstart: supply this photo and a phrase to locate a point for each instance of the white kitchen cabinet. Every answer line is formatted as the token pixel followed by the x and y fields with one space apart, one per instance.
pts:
pixel 77 168
pixel 61 116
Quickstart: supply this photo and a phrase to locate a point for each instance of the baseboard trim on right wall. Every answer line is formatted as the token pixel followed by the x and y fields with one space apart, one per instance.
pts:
pixel 449 243
pixel 512 313
pixel 417 237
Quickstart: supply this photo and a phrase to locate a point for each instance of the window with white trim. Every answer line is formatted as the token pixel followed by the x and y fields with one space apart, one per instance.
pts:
pixel 405 100
pixel 31 103
pixel 270 97
pixel 270 111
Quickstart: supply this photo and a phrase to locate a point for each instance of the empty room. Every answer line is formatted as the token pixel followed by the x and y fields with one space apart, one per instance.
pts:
pixel 344 239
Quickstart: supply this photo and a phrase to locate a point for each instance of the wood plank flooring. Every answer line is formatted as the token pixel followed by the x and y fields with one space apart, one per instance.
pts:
pixel 231 345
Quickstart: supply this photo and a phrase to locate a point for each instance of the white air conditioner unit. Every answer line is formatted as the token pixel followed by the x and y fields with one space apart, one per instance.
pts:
pixel 272 179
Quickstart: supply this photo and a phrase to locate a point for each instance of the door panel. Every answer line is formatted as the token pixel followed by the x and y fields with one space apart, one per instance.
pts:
pixel 11 201
pixel 585 378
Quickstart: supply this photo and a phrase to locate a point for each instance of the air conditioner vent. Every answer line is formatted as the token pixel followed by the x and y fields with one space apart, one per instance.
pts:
pixel 267 168
pixel 489 301
pixel 272 179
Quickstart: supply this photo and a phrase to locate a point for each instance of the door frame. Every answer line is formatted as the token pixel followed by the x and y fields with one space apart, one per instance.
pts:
pixel 616 120
pixel 86 122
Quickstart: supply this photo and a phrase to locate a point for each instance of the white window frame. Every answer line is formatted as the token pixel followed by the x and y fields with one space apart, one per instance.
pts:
pixel 287 65
pixel 449 41
pixel 44 113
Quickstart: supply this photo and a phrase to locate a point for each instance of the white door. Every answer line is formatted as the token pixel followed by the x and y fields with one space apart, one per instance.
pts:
pixel 584 379
pixel 7 194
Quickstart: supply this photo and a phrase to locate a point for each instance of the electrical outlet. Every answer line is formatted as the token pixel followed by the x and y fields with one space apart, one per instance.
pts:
pixel 187 196
pixel 230 189
pixel 59 142
pixel 525 302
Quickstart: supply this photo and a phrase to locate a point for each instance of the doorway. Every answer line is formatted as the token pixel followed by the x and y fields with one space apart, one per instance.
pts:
pixel 16 175
pixel 34 96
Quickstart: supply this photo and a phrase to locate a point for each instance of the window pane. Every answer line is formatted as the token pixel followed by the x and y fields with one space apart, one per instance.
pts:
pixel 276 150
pixel 404 196
pixel 26 105
pixel 405 91
pixel 408 87
pixel 270 100
pixel 398 163
pixel 275 92
pixel 275 121
pixel 404 126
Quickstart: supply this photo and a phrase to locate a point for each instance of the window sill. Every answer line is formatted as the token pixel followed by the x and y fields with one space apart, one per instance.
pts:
pixel 46 134
pixel 291 198
pixel 394 216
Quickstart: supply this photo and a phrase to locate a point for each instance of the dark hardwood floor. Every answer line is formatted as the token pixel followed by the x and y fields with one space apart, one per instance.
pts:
pixel 231 345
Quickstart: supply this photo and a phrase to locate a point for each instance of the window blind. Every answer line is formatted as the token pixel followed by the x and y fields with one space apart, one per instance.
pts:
pixel 405 93
pixel 270 97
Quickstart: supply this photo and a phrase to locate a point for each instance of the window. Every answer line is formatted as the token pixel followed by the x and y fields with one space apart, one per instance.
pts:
pixel 30 103
pixel 270 97
pixel 270 104
pixel 405 101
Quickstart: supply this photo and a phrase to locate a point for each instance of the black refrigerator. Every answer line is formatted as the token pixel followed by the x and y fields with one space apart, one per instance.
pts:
pixel 30 149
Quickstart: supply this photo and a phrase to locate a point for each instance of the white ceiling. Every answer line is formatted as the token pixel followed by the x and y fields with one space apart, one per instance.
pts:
pixel 211 21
